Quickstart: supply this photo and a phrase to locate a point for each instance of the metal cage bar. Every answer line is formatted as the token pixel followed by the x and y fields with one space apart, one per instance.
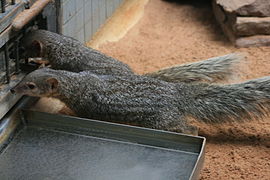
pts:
pixel 17 57
pixel 7 63
pixel 3 6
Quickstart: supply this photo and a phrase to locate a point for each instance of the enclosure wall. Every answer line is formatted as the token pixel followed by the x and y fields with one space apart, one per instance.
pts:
pixel 80 19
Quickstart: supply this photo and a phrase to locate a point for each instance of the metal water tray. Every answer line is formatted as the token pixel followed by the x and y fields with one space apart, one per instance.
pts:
pixel 48 146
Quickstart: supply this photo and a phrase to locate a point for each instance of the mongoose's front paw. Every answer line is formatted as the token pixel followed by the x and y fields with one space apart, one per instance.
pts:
pixel 39 61
pixel 67 111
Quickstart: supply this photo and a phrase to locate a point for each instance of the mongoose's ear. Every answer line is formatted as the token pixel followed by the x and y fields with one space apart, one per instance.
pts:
pixel 53 84
pixel 38 47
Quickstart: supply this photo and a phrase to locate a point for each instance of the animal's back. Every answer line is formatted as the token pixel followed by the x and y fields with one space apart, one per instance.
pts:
pixel 66 53
pixel 132 99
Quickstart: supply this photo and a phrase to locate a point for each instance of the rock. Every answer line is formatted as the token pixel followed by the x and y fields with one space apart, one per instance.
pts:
pixel 233 5
pixel 247 26
pixel 259 8
pixel 256 8
pixel 244 31
pixel 225 19
pixel 260 40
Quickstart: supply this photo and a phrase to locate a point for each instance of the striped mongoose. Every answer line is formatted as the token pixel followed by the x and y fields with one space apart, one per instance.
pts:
pixel 66 53
pixel 149 102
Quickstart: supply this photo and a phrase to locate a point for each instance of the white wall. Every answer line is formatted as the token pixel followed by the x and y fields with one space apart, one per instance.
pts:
pixel 82 18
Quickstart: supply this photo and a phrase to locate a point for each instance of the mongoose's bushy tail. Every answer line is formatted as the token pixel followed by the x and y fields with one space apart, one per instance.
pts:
pixel 227 103
pixel 210 70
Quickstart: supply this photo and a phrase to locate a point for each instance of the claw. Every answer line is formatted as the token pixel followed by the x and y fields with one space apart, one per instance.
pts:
pixel 39 61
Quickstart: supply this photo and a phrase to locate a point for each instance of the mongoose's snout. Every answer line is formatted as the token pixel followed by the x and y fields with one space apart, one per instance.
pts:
pixel 16 90
pixel 23 88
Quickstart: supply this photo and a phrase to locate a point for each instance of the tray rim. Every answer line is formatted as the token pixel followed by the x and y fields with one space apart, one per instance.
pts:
pixel 29 115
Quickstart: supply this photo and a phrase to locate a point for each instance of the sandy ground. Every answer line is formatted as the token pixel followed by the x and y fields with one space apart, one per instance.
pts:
pixel 172 33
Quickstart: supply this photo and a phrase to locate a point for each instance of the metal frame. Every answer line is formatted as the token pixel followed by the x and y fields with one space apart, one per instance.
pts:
pixel 9 13
pixel 12 120
pixel 11 66
pixel 9 39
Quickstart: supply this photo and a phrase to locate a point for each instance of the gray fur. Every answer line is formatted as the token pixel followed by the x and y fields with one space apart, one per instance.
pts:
pixel 152 103
pixel 66 53
pixel 210 70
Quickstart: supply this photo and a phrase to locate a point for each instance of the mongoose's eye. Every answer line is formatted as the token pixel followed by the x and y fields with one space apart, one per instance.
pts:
pixel 31 86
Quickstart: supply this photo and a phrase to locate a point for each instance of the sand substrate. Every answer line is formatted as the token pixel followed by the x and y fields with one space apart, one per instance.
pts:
pixel 175 32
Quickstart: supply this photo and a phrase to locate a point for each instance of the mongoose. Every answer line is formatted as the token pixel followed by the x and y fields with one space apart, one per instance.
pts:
pixel 148 102
pixel 66 53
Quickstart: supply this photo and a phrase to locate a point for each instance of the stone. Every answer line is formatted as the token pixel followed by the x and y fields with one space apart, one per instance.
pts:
pixel 255 8
pixel 244 22
pixel 247 26
pixel 259 8
pixel 259 40
pixel 225 19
